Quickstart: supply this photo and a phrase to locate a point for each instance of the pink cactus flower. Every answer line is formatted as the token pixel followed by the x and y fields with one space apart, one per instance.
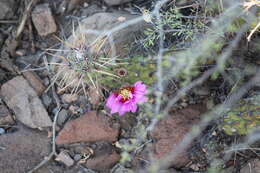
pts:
pixel 126 99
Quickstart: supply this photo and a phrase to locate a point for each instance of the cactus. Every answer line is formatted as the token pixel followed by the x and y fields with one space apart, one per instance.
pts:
pixel 243 118
pixel 134 69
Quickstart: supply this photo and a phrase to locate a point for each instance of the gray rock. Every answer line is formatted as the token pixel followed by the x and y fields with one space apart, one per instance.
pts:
pixel 77 157
pixel 108 21
pixel 7 8
pixel 46 99
pixel 24 149
pixel 118 168
pixel 23 100
pixel 116 2
pixel 63 116
pixel 65 158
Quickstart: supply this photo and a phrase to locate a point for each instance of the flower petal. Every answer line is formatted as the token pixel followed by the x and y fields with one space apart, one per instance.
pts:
pixel 139 86
pixel 116 107
pixel 124 109
pixel 133 108
pixel 111 99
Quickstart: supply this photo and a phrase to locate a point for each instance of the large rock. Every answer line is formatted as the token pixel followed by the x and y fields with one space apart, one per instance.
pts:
pixel 116 2
pixel 23 100
pixel 90 127
pixel 7 9
pixel 106 22
pixel 35 82
pixel 43 20
pixel 23 150
pixel 169 132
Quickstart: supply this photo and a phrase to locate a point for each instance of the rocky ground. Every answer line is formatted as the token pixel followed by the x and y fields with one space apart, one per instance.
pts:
pixel 52 122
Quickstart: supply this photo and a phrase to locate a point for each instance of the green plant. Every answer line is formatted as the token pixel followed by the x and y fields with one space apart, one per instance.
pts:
pixel 243 118
pixel 177 29
pixel 133 69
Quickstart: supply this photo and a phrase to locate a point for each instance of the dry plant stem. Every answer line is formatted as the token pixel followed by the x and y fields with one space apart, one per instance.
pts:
pixel 159 57
pixel 24 18
pixel 53 153
pixel 253 31
pixel 8 21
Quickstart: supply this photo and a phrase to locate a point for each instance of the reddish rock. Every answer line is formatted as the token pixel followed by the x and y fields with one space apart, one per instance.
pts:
pixel 35 82
pixel 88 128
pixel 103 162
pixel 43 20
pixel 170 131
pixel 69 98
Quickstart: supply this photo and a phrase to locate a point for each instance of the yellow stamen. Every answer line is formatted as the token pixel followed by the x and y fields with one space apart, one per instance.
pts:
pixel 125 93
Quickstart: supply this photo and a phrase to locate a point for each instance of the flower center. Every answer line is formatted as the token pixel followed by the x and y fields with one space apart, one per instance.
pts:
pixel 126 94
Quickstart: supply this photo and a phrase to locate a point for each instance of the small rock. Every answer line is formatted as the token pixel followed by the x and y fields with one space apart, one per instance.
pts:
pixel 63 116
pixel 47 100
pixel 74 109
pixel 46 81
pixel 103 162
pixel 2 131
pixel 69 98
pixel 23 100
pixel 43 20
pixel 94 95
pixel 118 168
pixel 168 171
pixel 23 150
pixel 252 167
pixel 5 115
pixel 88 128
pixel 1 39
pixel 35 82
pixel 7 8
pixel 77 157
pixel 116 2
pixel 170 131
pixel 65 158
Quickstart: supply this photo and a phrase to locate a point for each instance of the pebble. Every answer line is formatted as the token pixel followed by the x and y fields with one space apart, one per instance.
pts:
pixel 77 157
pixel 46 99
pixel 65 158
pixel 63 116
pixel 69 98
pixel 2 131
